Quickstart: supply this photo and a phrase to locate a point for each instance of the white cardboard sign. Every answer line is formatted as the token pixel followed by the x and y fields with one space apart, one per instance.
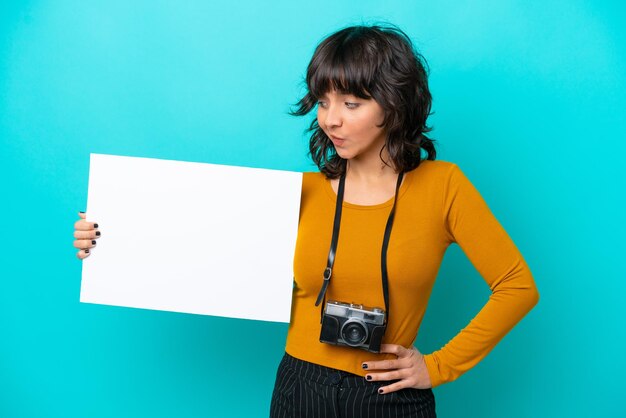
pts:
pixel 192 237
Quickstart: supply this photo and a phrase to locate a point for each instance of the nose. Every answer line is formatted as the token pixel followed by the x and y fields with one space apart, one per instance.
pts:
pixel 332 117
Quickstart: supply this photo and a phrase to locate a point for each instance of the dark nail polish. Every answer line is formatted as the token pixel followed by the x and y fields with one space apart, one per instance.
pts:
pixel 81 211
pixel 93 242
pixel 95 225
pixel 87 250
pixel 364 365
pixel 368 377
pixel 380 391
pixel 97 233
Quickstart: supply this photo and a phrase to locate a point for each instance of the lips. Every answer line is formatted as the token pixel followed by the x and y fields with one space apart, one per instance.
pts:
pixel 336 140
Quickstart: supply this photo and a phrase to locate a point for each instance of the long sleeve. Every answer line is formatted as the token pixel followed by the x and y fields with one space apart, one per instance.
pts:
pixel 470 223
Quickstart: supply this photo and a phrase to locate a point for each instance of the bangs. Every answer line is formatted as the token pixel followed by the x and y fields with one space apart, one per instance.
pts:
pixel 342 66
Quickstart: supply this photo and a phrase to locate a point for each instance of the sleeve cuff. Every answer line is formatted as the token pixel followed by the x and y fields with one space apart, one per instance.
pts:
pixel 433 370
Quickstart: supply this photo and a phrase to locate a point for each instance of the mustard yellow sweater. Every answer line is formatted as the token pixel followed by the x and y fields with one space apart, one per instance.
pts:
pixel 437 205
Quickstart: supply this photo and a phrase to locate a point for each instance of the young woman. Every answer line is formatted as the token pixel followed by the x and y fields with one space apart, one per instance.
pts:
pixel 374 225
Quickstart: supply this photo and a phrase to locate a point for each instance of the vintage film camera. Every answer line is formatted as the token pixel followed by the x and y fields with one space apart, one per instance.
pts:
pixel 353 325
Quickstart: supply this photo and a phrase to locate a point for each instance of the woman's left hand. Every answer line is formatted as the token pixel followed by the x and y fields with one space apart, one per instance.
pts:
pixel 410 368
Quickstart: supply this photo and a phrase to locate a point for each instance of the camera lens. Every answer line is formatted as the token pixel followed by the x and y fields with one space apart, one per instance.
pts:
pixel 353 333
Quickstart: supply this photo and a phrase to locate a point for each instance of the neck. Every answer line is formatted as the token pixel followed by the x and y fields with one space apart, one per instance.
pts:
pixel 370 169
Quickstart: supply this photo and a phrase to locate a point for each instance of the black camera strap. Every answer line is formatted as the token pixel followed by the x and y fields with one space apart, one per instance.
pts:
pixel 333 244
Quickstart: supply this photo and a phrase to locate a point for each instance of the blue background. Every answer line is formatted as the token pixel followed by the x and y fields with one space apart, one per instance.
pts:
pixel 529 100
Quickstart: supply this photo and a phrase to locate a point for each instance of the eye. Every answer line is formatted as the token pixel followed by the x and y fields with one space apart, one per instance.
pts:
pixel 321 103
pixel 352 105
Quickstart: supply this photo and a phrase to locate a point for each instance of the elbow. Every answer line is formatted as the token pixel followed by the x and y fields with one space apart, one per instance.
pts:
pixel 534 297
pixel 529 292
pixel 526 295
pixel 531 296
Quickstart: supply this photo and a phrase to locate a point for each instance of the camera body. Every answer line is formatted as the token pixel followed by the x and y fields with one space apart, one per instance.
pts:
pixel 353 325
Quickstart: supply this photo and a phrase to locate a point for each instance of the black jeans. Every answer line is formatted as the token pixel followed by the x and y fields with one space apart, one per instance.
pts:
pixel 305 389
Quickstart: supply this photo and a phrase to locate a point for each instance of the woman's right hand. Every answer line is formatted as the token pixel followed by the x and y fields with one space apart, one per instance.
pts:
pixel 86 234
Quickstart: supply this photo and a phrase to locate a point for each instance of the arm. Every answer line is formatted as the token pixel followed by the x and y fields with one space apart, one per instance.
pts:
pixel 470 223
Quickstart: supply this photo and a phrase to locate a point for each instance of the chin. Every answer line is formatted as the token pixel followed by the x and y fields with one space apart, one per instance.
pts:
pixel 344 154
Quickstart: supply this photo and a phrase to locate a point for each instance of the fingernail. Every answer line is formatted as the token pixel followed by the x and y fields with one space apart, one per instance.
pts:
pixel 81 212
pixel 87 250
pixel 380 391
pixel 368 377
pixel 95 225
pixel 364 366
pixel 93 242
pixel 97 233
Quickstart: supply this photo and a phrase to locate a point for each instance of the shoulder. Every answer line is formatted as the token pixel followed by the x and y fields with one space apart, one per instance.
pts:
pixel 434 170
pixel 312 180
pixel 312 177
pixel 436 166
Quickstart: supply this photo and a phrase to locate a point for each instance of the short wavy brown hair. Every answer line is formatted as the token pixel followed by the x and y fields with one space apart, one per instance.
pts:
pixel 379 62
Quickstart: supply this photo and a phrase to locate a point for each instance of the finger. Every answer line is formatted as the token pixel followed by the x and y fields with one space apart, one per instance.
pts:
pixel 82 214
pixel 413 350
pixel 383 365
pixel 84 225
pixel 83 253
pixel 402 384
pixel 396 349
pixel 386 376
pixel 84 243
pixel 91 234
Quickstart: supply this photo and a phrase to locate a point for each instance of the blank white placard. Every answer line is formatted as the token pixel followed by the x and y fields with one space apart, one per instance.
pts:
pixel 192 237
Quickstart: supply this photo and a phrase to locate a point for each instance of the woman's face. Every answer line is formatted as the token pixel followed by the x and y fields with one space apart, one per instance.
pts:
pixel 351 123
